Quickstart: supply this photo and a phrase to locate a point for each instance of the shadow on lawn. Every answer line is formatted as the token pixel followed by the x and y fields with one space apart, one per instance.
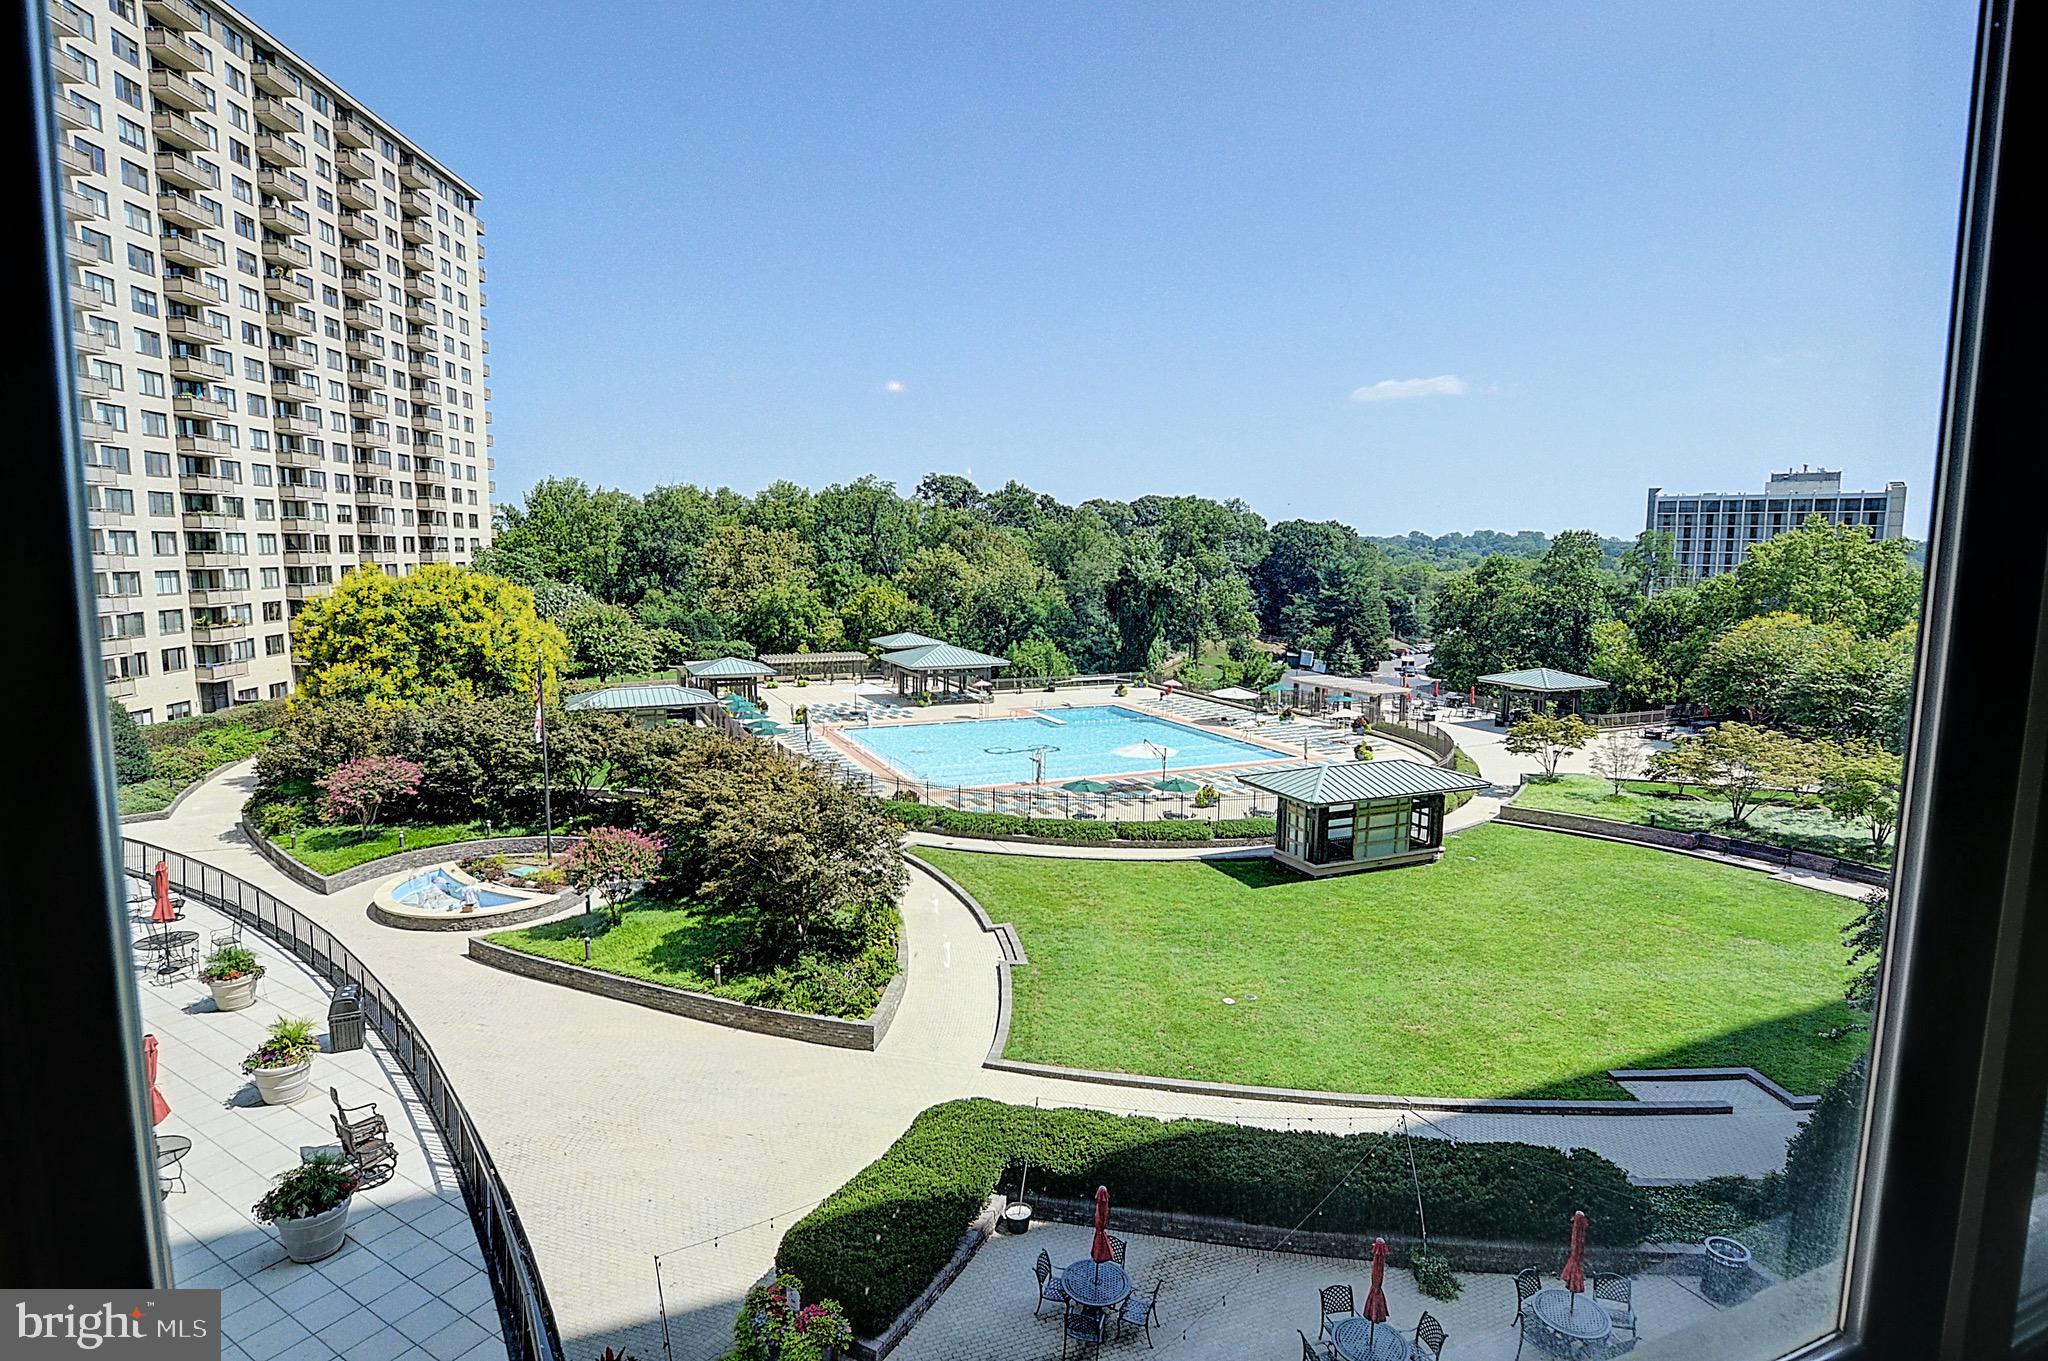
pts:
pixel 1791 1050
pixel 695 938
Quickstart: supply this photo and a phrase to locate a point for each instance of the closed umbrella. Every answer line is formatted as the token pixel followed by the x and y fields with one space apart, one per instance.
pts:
pixel 1573 1272
pixel 1376 1297
pixel 158 1107
pixel 163 914
pixel 1099 1251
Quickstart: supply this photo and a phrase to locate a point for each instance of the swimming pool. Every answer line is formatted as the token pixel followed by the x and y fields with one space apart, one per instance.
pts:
pixel 1103 739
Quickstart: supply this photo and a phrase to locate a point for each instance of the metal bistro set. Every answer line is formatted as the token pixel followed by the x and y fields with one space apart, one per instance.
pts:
pixel 1345 1333
pixel 1097 1299
pixel 1560 1321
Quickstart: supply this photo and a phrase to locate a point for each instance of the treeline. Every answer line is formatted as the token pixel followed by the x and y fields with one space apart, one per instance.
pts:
pixel 687 571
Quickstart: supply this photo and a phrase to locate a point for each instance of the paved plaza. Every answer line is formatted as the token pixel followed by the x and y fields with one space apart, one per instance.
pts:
pixel 409 1285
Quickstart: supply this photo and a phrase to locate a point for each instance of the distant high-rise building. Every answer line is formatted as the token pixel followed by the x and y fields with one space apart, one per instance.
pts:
pixel 279 310
pixel 1711 531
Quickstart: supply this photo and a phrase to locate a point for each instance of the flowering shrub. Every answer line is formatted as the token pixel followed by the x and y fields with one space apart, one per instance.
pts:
pixel 609 857
pixel 230 962
pixel 774 1322
pixel 356 791
pixel 291 1041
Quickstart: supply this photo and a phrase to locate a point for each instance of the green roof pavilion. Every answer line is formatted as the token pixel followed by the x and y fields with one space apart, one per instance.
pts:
pixel 1360 815
pixel 646 705
pixel 1551 689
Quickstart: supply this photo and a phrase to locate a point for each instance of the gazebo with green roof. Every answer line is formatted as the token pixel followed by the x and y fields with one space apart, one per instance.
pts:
pixel 1551 689
pixel 931 666
pixel 1360 815
pixel 647 706
pixel 728 673
pixel 902 642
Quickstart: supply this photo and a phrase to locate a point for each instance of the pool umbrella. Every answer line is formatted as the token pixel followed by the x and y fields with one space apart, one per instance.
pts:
pixel 1086 787
pixel 1573 1272
pixel 1100 1251
pixel 163 913
pixel 1177 785
pixel 158 1107
pixel 1168 685
pixel 1376 1298
pixel 764 727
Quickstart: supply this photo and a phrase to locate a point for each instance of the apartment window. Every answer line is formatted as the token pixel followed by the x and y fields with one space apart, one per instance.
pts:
pixel 173 659
pixel 167 583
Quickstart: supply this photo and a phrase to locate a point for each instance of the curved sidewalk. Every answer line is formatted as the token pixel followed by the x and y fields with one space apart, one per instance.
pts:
pixel 624 1132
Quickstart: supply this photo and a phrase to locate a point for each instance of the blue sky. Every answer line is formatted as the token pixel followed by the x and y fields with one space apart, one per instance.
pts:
pixel 1404 265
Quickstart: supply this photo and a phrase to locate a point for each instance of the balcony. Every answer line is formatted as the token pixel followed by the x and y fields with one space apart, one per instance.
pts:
pixel 73 161
pixel 192 252
pixel 169 87
pixel 362 376
pixel 280 219
pixel 287 289
pixel 417 230
pixel 168 47
pixel 197 368
pixel 176 130
pixel 202 446
pixel 358 194
pixel 369 411
pixel 356 226
pixel 418 285
pixel 427 420
pixel 364 314
pixel 81 208
pixel 79 253
pixel 413 174
pixel 276 115
pixel 306 557
pixel 424 366
pixel 354 165
pixel 69 69
pixel 187 289
pixel 220 628
pixel 88 342
pixel 196 331
pixel 179 209
pixel 175 167
pixel 88 299
pixel 359 346
pixel 351 131
pixel 120 687
pixel 279 151
pixel 289 357
pixel 300 426
pixel 98 432
pixel 281 184
pixel 419 258
pixel 283 391
pixel 91 388
pixel 208 519
pixel 361 257
pixel 421 314
pixel 285 253
pixel 220 670
pixel 62 25
pixel 182 15
pixel 361 287
pixel 297 456
pixel 70 116
pixel 202 406
pixel 217 595
pixel 268 76
pixel 285 321
pixel 413 203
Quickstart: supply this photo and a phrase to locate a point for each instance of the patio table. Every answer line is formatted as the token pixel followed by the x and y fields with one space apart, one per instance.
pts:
pixel 1098 1287
pixel 165 940
pixel 1569 1318
pixel 1356 1339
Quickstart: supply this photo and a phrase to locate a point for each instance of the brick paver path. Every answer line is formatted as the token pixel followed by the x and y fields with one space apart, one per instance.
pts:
pixel 624 1133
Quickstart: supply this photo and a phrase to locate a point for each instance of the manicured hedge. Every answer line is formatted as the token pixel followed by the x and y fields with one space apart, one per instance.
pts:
pixel 929 817
pixel 880 1239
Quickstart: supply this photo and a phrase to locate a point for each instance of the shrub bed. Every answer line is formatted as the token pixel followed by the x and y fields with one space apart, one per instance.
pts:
pixel 881 1238
pixel 924 817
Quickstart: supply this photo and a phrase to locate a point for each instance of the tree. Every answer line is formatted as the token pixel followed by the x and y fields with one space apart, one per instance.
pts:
pixel 438 632
pixel 1754 668
pixel 1634 679
pixel 1679 765
pixel 1039 658
pixel 1739 762
pixel 609 858
pixel 1832 574
pixel 1572 594
pixel 1864 937
pixel 1616 757
pixel 1486 622
pixel 131 754
pixel 356 791
pixel 607 641
pixel 1860 783
pixel 1549 738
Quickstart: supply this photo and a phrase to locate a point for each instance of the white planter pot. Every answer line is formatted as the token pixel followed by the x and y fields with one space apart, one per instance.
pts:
pixel 233 994
pixel 309 1240
pixel 282 1086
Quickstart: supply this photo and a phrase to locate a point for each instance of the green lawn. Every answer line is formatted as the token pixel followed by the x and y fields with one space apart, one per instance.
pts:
pixel 330 850
pixel 1525 963
pixel 1788 820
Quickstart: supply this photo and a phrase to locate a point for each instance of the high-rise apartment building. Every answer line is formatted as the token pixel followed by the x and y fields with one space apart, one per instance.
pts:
pixel 1711 531
pixel 279 308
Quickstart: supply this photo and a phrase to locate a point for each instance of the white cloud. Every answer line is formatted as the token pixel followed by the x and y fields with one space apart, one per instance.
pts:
pixel 1400 389
pixel 893 385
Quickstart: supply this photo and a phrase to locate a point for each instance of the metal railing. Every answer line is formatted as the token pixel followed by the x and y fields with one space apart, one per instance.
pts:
pixel 528 1321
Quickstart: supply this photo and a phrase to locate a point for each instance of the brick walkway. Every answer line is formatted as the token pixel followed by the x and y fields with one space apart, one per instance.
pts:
pixel 624 1133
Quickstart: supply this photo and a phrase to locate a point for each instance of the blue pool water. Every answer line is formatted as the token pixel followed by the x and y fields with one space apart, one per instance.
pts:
pixel 1098 740
pixel 435 887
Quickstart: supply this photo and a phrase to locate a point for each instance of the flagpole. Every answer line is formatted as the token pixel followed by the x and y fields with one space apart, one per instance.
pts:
pixel 547 785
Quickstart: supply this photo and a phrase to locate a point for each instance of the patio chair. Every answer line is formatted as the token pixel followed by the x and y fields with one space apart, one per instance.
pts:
pixel 1116 1249
pixel 1084 1325
pixel 1139 1312
pixel 231 935
pixel 371 1126
pixel 176 962
pixel 1049 1289
pixel 1616 1294
pixel 371 1155
pixel 1337 1302
pixel 1429 1339
pixel 1527 1282
pixel 1311 1352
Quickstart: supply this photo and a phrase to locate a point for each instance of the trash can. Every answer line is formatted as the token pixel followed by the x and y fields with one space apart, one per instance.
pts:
pixel 345 1019
pixel 1726 1278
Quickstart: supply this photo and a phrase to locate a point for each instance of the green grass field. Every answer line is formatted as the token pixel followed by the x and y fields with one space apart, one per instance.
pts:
pixel 330 850
pixel 1525 963
pixel 1790 821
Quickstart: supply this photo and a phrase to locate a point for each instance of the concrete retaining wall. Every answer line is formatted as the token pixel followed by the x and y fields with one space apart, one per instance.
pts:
pixel 1672 839
pixel 472 921
pixel 388 865
pixel 836 1031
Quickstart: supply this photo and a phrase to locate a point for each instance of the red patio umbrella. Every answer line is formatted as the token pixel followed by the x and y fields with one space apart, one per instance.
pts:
pixel 158 1107
pixel 1376 1297
pixel 163 913
pixel 1472 696
pixel 1573 1272
pixel 1099 1251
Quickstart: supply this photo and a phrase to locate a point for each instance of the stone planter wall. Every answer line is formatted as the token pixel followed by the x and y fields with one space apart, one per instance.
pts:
pixel 282 862
pixel 478 921
pixel 836 1031
pixel 1673 839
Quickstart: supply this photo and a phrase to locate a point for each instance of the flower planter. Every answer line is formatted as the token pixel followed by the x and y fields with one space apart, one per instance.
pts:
pixel 310 1240
pixel 282 1086
pixel 233 994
